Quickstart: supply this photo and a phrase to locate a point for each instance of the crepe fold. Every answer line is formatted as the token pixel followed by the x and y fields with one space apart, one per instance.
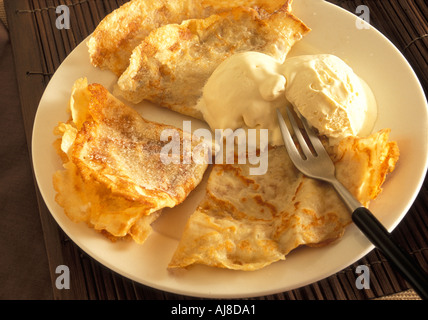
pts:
pixel 246 222
pixel 121 31
pixel 172 64
pixel 114 178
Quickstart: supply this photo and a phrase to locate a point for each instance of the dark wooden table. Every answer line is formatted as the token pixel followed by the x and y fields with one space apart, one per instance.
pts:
pixel 38 50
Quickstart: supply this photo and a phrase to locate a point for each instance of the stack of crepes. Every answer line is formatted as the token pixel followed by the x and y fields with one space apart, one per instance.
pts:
pixel 164 51
pixel 126 28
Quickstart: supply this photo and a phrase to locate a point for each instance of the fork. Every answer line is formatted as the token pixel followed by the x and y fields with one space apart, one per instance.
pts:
pixel 316 163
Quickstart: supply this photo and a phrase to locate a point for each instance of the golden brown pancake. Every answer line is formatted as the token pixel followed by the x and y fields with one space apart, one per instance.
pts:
pixel 172 64
pixel 114 177
pixel 246 222
pixel 116 36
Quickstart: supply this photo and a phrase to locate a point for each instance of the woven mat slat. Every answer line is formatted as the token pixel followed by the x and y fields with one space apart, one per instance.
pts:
pixel 412 239
pixel 422 7
pixel 405 16
pixel 379 285
pixel 67 44
pixel 91 280
pixel 50 46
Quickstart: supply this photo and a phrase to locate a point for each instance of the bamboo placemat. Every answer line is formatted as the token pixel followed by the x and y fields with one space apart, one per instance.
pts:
pixel 39 48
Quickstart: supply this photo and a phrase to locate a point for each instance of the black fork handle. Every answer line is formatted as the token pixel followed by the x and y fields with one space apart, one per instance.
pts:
pixel 381 238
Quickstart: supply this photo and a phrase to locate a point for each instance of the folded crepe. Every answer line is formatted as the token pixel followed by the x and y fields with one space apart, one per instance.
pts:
pixel 246 222
pixel 172 64
pixel 114 178
pixel 116 36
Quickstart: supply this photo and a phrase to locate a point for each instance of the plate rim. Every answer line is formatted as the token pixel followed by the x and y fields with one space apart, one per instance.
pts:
pixel 206 294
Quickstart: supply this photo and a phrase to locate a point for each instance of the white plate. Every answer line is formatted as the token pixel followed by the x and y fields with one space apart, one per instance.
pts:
pixel 402 107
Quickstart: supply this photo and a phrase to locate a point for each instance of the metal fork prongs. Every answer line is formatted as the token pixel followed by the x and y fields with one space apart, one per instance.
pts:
pixel 313 159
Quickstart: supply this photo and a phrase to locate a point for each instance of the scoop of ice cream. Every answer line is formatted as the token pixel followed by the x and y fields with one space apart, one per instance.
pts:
pixel 327 92
pixel 247 88
pixel 244 92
